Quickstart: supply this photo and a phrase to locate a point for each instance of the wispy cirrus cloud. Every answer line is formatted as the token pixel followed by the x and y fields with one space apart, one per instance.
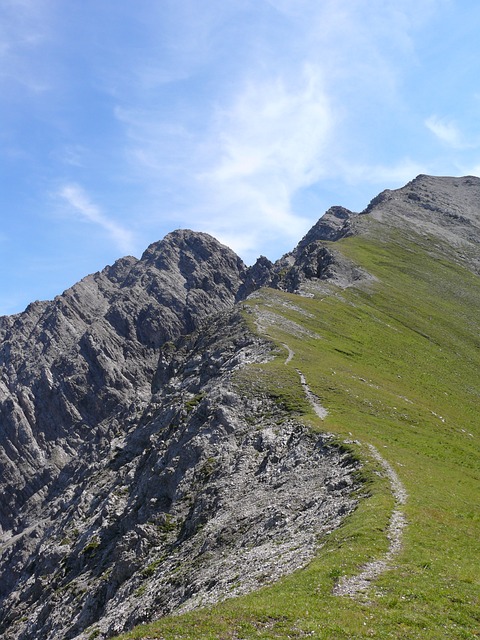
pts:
pixel 76 197
pixel 239 172
pixel 269 142
pixel 448 132
pixel 23 31
pixel 298 110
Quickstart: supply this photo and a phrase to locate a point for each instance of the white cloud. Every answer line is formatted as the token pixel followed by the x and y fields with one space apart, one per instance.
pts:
pixel 78 200
pixel 239 173
pixel 270 142
pixel 448 132
pixel 298 113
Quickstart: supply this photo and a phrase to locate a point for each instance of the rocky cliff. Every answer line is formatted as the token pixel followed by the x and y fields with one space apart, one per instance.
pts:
pixel 72 369
pixel 139 476
pixel 136 478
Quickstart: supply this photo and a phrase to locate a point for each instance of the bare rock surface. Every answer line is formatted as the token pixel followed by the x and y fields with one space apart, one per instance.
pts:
pixel 137 479
pixel 208 494
pixel 74 369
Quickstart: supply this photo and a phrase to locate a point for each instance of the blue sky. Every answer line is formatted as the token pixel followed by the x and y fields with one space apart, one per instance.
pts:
pixel 121 121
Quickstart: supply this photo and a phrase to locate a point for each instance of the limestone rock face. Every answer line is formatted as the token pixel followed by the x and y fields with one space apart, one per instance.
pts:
pixel 204 490
pixel 136 478
pixel 73 369
pixel 336 223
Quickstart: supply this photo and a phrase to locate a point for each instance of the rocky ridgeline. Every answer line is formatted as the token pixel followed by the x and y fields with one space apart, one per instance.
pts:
pixel 207 493
pixel 74 369
pixel 137 478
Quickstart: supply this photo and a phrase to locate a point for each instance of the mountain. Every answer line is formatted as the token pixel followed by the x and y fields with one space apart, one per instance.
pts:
pixel 181 429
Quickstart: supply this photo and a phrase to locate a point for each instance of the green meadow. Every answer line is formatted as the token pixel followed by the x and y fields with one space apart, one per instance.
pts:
pixel 396 363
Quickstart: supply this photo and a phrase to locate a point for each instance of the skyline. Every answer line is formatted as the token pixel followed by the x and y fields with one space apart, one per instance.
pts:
pixel 246 120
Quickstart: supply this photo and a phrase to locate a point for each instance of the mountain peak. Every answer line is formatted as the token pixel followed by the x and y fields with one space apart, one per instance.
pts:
pixel 333 225
pixel 447 208
pixel 197 244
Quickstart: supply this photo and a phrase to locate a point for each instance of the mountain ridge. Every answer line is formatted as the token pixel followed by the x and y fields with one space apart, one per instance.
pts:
pixel 137 368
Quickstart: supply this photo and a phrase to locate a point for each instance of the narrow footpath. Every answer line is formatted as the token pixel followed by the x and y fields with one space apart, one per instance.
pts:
pixel 359 583
pixel 351 586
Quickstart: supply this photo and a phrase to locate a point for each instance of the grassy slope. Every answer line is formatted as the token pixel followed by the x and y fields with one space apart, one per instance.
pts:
pixel 397 366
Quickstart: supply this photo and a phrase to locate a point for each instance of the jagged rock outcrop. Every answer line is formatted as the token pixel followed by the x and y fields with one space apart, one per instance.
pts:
pixel 206 492
pixel 336 223
pixel 313 259
pixel 257 276
pixel 136 478
pixel 73 369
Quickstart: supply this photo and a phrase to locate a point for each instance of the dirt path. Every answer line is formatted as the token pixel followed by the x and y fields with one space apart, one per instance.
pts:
pixel 350 586
pixel 290 353
pixel 314 401
pixel 321 412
